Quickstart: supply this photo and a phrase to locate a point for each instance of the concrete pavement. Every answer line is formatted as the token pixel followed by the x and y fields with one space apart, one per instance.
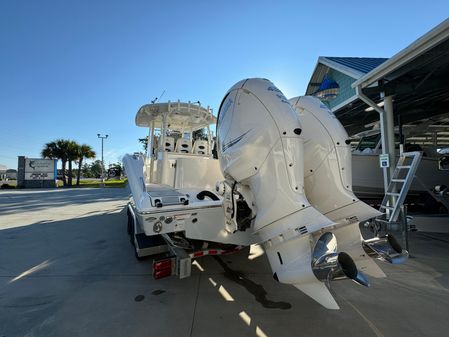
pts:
pixel 67 269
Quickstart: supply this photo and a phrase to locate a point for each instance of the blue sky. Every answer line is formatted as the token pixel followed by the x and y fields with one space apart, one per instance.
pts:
pixel 72 69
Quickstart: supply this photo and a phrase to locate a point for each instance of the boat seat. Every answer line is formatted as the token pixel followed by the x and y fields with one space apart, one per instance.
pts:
pixel 169 145
pixel 183 145
pixel 201 147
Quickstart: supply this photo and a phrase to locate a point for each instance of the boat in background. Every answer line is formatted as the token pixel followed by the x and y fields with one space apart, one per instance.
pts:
pixel 432 173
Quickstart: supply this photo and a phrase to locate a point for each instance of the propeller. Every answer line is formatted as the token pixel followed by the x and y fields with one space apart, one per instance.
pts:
pixel 328 265
pixel 385 248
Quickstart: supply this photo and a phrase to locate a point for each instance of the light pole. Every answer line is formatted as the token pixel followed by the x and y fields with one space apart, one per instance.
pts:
pixel 102 161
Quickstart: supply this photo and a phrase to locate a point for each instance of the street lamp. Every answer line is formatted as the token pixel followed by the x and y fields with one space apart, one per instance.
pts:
pixel 102 161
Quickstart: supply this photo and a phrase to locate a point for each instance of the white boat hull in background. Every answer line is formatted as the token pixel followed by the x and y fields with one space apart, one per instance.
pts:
pixel 368 183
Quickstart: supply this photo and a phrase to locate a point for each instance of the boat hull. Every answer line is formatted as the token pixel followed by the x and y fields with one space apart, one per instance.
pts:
pixel 367 177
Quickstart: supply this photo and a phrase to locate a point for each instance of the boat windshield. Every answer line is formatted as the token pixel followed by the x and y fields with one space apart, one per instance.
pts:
pixel 368 142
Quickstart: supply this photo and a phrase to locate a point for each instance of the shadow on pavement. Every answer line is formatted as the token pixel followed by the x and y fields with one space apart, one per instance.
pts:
pixel 32 200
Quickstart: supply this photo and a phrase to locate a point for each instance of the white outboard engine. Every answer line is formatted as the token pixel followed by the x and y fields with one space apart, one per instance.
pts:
pixel 261 153
pixel 328 186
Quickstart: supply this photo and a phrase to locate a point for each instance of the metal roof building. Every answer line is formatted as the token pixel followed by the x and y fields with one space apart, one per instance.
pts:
pixel 345 71
pixel 412 87
pixel 417 79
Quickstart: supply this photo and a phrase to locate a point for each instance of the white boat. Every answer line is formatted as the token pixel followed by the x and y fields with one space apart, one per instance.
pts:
pixel 174 184
pixel 367 176
pixel 282 180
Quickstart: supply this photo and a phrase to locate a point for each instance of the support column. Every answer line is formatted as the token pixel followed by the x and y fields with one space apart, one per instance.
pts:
pixel 388 108
pixel 21 172
pixel 162 154
pixel 384 140
pixel 150 150
pixel 209 141
pixel 386 129
pixel 149 141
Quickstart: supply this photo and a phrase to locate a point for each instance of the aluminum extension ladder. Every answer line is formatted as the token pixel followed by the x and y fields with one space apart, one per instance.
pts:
pixel 399 185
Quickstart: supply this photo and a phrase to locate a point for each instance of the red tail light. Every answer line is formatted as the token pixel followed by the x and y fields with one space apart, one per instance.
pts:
pixel 163 268
pixel 162 264
pixel 158 274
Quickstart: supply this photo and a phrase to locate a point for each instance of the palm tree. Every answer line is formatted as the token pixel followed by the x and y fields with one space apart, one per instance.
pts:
pixel 50 151
pixel 84 151
pixel 63 146
pixel 57 150
pixel 72 155
pixel 67 151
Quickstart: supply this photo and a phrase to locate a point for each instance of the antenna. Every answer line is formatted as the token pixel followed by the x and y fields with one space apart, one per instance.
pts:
pixel 158 98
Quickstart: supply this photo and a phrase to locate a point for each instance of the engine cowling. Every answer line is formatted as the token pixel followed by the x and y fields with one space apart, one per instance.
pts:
pixel 256 123
pixel 261 149
pixel 262 152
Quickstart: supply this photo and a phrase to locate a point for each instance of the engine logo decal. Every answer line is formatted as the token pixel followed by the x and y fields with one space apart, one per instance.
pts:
pixel 282 98
pixel 273 88
pixel 233 142
pixel 157 227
